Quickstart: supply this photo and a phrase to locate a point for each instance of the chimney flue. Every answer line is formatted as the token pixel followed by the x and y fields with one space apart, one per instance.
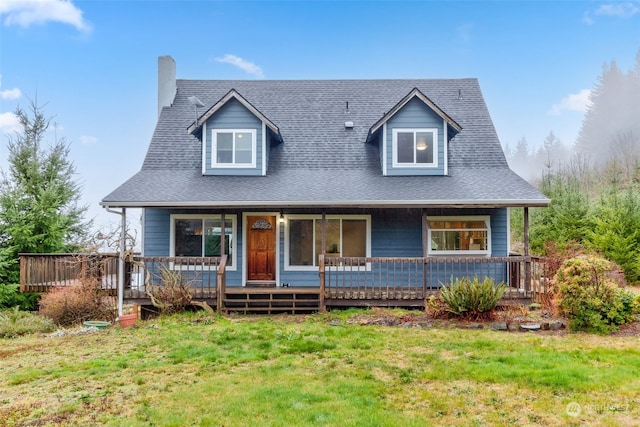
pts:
pixel 166 82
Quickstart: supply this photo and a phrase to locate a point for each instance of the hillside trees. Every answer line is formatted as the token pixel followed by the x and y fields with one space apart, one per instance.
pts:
pixel 596 195
pixel 39 198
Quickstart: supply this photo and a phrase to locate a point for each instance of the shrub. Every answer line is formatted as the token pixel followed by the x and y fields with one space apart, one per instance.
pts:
pixel 14 323
pixel 173 294
pixel 10 296
pixel 592 301
pixel 471 299
pixel 69 305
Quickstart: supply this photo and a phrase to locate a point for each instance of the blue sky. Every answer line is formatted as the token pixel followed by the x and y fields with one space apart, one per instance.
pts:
pixel 93 64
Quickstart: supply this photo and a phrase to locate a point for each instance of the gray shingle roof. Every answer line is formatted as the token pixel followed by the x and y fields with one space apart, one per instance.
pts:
pixel 321 162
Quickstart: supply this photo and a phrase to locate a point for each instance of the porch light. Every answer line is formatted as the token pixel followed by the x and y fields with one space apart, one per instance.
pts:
pixel 281 217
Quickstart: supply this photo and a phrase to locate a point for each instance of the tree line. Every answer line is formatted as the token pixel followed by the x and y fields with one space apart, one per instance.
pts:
pixel 594 186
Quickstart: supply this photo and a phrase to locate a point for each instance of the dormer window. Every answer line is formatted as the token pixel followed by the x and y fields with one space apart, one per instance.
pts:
pixel 234 148
pixel 415 147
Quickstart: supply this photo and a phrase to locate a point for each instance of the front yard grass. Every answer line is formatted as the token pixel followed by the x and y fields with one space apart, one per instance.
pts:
pixel 195 369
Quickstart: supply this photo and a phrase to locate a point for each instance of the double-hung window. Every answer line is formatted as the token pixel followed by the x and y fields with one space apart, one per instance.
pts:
pixel 346 236
pixel 467 235
pixel 415 147
pixel 201 236
pixel 234 148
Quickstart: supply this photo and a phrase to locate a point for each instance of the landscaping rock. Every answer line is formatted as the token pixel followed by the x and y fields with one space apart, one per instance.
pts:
pixel 555 326
pixel 335 323
pixel 545 326
pixel 499 326
pixel 530 326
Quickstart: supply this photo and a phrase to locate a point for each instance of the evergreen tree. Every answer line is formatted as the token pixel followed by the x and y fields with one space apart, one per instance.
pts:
pixel 566 219
pixel 39 211
pixel 616 229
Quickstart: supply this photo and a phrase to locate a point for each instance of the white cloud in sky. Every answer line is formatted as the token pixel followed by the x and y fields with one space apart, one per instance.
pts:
pixel 622 10
pixel 24 13
pixel 244 65
pixel 10 94
pixel 9 123
pixel 88 140
pixel 572 102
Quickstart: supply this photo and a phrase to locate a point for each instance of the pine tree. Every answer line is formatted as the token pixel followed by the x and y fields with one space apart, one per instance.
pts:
pixel 616 229
pixel 39 211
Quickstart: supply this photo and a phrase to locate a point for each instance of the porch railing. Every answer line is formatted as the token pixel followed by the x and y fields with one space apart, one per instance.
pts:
pixel 368 278
pixel 205 277
pixel 41 272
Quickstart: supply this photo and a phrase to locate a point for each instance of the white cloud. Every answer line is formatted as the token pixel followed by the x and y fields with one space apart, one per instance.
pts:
pixel 9 123
pixel 622 10
pixel 88 140
pixel 27 12
pixel 572 102
pixel 244 65
pixel 10 94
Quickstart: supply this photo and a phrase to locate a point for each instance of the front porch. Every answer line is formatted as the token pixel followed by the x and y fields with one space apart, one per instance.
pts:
pixel 342 281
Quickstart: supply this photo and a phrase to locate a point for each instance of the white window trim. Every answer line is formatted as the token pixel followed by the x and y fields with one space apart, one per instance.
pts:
pixel 289 267
pixel 172 246
pixel 434 149
pixel 214 148
pixel 485 218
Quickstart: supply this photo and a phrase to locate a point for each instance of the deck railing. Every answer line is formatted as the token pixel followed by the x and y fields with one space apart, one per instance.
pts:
pixel 362 279
pixel 201 275
pixel 366 278
pixel 41 272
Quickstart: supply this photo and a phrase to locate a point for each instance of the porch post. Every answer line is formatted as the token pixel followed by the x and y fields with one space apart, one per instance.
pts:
pixel 527 257
pixel 424 250
pixel 321 265
pixel 222 236
pixel 324 232
pixel 123 248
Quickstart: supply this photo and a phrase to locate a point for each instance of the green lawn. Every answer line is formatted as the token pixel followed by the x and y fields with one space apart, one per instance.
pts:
pixel 316 370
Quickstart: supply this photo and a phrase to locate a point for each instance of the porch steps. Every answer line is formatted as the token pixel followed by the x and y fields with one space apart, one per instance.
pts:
pixel 271 300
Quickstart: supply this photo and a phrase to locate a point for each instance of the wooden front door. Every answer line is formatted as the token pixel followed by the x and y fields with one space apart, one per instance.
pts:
pixel 261 248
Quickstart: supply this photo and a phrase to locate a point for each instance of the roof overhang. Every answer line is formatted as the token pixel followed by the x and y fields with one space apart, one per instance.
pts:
pixel 341 203
pixel 415 93
pixel 232 94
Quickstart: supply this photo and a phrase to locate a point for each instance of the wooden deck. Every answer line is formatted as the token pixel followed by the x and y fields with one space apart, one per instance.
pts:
pixel 342 282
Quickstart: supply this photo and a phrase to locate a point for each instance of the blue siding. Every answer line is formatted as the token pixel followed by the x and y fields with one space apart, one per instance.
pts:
pixel 415 114
pixel 499 234
pixel 394 233
pixel 157 239
pixel 156 232
pixel 233 115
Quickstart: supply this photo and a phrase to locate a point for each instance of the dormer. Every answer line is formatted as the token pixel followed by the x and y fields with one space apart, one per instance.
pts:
pixel 413 137
pixel 235 137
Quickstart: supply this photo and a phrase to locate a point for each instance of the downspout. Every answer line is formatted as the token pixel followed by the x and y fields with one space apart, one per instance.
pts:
pixel 123 237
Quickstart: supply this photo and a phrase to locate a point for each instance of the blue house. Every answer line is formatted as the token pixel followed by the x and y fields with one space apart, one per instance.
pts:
pixel 360 190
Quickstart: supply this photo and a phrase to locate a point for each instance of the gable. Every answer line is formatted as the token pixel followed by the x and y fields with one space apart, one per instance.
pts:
pixel 224 150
